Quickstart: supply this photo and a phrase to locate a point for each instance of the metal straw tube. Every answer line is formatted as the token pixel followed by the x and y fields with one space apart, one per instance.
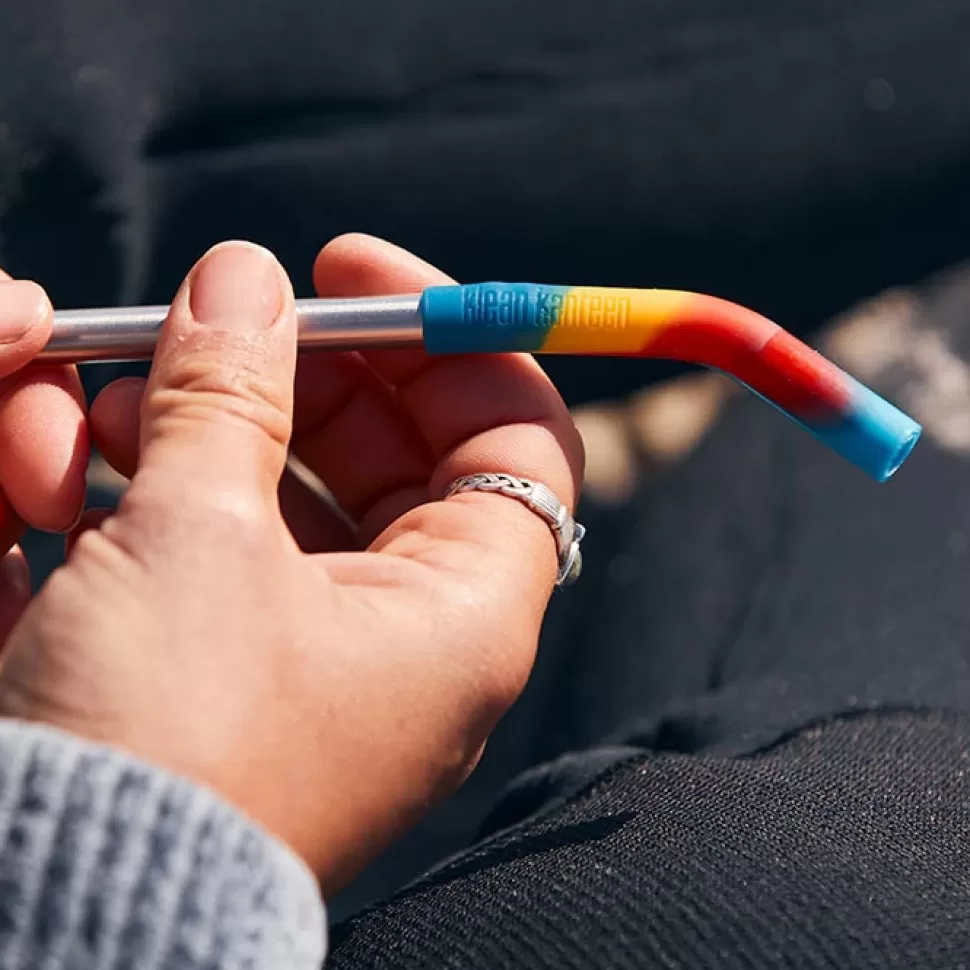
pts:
pixel 130 333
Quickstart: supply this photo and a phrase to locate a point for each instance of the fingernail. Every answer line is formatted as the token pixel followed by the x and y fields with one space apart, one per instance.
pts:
pixel 74 523
pixel 16 572
pixel 237 286
pixel 22 304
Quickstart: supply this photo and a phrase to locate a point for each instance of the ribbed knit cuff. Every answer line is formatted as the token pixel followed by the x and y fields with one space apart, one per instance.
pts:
pixel 106 861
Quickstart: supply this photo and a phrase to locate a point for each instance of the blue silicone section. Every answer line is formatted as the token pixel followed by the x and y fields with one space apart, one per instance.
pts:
pixel 875 436
pixel 489 317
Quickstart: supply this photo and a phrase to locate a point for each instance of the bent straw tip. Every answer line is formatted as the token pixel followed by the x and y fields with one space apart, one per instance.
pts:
pixel 873 434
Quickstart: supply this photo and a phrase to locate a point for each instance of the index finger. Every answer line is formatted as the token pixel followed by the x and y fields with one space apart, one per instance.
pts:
pixel 42 427
pixel 26 317
pixel 478 413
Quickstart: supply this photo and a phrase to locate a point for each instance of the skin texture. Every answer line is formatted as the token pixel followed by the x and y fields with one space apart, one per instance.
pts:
pixel 331 674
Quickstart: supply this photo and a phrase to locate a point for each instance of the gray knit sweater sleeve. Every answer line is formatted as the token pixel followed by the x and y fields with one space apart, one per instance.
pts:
pixel 107 862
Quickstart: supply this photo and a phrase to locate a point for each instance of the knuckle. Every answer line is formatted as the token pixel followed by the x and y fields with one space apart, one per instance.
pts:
pixel 499 663
pixel 90 545
pixel 504 684
pixel 455 764
pixel 236 385
pixel 505 669
pixel 575 449
pixel 236 513
pixel 220 516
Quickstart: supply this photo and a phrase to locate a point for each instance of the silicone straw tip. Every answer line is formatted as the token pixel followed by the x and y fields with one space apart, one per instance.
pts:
pixel 875 435
pixel 902 453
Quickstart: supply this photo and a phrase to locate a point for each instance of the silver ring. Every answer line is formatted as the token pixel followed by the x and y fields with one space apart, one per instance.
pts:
pixel 567 532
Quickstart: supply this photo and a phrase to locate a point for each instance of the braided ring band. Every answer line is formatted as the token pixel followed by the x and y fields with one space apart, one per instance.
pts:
pixel 567 532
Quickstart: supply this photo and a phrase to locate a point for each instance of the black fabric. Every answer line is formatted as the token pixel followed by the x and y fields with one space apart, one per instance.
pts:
pixel 794 156
pixel 796 652
pixel 847 846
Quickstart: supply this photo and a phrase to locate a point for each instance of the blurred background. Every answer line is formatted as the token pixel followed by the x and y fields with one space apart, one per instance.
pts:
pixel 810 159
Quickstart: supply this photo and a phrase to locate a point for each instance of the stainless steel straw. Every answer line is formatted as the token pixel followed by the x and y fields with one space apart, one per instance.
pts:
pixel 130 333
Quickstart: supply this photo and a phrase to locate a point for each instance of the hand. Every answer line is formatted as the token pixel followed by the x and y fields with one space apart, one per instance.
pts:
pixel 331 680
pixel 44 446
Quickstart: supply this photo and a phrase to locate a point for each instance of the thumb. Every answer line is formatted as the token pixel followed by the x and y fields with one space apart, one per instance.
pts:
pixel 217 411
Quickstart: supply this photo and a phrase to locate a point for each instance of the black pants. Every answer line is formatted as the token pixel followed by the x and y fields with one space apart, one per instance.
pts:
pixel 765 682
